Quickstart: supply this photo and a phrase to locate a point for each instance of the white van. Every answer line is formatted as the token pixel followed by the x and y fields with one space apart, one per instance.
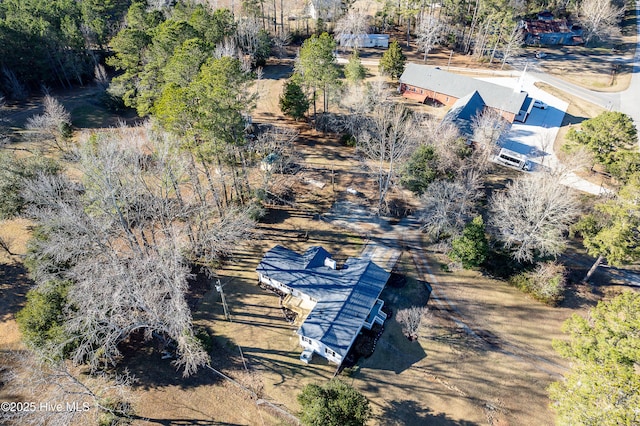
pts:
pixel 513 159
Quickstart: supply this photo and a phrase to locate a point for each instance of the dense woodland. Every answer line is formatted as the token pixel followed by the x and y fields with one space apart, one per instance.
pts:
pixel 124 218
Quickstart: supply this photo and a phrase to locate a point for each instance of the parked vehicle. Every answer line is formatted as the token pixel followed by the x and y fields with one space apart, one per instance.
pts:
pixel 513 159
pixel 540 104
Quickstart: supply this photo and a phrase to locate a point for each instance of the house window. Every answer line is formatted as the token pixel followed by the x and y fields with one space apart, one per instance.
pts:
pixel 447 99
pixel 306 340
pixel 330 352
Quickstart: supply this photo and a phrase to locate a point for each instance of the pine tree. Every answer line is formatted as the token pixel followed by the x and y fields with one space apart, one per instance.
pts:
pixel 471 248
pixel 392 62
pixel 354 72
pixel 611 232
pixel 293 101
pixel 603 386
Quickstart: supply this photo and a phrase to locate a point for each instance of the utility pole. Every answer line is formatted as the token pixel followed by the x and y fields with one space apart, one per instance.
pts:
pixel 448 63
pixel 224 301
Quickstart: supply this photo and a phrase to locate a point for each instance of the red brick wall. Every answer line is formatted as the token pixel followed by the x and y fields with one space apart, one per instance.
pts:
pixel 413 92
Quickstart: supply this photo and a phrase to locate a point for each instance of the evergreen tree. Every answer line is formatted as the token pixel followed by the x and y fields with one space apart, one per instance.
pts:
pixel 471 248
pixel 354 71
pixel 392 62
pixel 317 66
pixel 610 136
pixel 420 170
pixel 333 404
pixel 293 101
pixel 603 386
pixel 612 231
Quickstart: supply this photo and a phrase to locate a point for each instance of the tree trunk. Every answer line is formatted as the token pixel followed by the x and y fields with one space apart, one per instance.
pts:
pixel 315 121
pixel 408 31
pixel 593 268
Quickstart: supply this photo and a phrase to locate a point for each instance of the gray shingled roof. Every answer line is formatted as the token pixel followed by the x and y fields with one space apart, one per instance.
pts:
pixel 459 86
pixel 345 296
pixel 463 111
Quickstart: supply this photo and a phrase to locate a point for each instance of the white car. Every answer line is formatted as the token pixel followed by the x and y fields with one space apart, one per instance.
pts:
pixel 541 55
pixel 540 104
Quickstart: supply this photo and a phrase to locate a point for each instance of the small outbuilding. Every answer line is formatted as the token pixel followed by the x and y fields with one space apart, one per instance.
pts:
pixel 364 40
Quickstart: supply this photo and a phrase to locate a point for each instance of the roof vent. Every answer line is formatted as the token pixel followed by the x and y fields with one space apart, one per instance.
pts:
pixel 329 262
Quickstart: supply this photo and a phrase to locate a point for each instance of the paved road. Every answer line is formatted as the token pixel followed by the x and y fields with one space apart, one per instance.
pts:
pixel 626 101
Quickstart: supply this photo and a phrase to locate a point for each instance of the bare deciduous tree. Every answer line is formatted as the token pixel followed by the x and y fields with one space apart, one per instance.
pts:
pixel 428 33
pixel 600 19
pixel 57 394
pixel 389 136
pixel 281 41
pixel 248 35
pixel 532 216
pixel 128 236
pixel 488 128
pixel 446 206
pixel 359 101
pixel 352 28
pixel 581 158
pixel 512 45
pixel 411 318
pixel 53 125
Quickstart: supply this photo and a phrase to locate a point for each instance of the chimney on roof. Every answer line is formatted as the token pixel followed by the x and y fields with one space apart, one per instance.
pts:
pixel 330 263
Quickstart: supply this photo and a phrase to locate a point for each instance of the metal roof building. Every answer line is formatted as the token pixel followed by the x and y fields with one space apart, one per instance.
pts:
pixel 435 81
pixel 344 298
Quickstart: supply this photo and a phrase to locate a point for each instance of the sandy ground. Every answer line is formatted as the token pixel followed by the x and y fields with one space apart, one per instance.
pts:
pixel 495 375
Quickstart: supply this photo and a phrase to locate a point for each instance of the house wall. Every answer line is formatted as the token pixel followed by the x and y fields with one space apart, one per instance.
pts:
pixel 414 92
pixel 273 283
pixel 509 116
pixel 320 349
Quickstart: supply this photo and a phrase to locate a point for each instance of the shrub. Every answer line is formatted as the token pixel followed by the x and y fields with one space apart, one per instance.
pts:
pixel 545 283
pixel 421 170
pixel 41 319
pixel 205 339
pixel 471 248
pixel 333 404
pixel 411 318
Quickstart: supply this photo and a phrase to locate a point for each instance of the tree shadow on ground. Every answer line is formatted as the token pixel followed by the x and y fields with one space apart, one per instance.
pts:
pixel 14 284
pixel 144 360
pixel 570 120
pixel 411 413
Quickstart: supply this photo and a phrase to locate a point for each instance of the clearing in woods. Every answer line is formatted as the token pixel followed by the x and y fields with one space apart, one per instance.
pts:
pixel 483 356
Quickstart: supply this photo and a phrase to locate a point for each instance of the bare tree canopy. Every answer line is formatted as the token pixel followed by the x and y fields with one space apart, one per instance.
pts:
pixel 53 126
pixel 447 205
pixel 126 237
pixel 388 137
pixel 55 393
pixel 532 216
pixel 428 33
pixel 600 18
pixel 411 318
pixel 352 28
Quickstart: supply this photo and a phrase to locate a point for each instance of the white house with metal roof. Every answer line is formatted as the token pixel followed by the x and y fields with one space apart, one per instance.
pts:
pixel 343 300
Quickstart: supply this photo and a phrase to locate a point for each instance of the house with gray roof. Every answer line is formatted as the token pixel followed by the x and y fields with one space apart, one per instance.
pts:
pixel 421 82
pixel 342 300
